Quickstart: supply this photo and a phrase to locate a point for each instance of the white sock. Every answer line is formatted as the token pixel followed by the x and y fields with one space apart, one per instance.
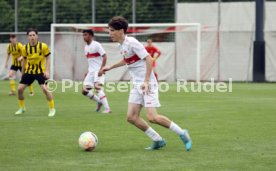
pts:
pixel 175 128
pixel 154 136
pixel 92 96
pixel 103 99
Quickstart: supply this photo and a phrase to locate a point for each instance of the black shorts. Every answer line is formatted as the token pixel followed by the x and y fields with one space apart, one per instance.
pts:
pixel 28 79
pixel 16 68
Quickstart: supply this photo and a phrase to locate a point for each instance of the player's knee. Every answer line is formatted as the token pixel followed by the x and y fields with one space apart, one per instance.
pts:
pixel 131 119
pixel 152 119
pixel 44 89
pixel 11 76
pixel 84 92
pixel 20 90
pixel 97 90
pixel 98 87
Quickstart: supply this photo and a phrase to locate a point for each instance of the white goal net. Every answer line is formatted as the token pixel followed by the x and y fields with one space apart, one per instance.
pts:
pixel 179 44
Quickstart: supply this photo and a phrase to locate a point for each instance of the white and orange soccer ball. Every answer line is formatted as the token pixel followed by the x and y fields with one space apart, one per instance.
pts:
pixel 88 141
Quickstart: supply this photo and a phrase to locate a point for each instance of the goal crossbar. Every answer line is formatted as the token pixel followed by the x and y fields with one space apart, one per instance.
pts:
pixel 83 26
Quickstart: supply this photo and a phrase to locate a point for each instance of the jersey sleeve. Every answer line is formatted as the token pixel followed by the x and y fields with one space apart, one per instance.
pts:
pixel 101 50
pixel 45 50
pixel 139 49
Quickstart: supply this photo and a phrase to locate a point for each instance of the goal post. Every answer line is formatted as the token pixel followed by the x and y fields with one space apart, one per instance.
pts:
pixel 140 30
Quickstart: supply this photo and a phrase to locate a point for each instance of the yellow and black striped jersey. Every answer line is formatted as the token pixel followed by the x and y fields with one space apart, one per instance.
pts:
pixel 16 52
pixel 35 57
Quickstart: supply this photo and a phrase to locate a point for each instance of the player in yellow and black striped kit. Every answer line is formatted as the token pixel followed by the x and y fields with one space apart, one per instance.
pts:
pixel 36 66
pixel 15 49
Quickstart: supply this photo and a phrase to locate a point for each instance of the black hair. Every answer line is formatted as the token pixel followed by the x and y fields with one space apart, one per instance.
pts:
pixel 12 36
pixel 32 29
pixel 118 23
pixel 89 31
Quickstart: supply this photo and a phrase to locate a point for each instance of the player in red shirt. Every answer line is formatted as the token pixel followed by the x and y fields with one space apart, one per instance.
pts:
pixel 154 53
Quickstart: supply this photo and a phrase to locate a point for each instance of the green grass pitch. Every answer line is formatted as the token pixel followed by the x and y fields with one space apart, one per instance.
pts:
pixel 230 131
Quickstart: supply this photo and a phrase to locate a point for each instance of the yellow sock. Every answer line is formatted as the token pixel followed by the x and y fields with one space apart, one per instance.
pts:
pixel 21 103
pixel 31 89
pixel 12 85
pixel 51 104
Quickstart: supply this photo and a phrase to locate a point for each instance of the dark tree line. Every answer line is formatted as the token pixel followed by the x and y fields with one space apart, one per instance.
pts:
pixel 40 13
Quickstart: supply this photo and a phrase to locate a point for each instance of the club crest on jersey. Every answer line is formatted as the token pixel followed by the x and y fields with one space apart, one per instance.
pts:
pixel 125 54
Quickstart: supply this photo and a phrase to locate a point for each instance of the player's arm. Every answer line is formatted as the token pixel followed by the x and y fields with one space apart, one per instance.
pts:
pixel 7 60
pixel 156 54
pixel 149 62
pixel 20 58
pixel 20 46
pixel 24 61
pixel 103 64
pixel 8 56
pixel 101 51
pixel 116 65
pixel 46 53
pixel 47 69
pixel 141 51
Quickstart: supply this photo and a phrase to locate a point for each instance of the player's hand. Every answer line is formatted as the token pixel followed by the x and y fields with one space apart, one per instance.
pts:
pixel 145 88
pixel 105 68
pixel 47 75
pixel 20 58
pixel 6 65
pixel 100 73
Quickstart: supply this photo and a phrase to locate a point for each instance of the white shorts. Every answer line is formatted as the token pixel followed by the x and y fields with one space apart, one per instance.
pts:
pixel 136 96
pixel 91 78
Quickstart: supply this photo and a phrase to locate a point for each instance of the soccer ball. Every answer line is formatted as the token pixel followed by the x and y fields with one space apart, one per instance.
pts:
pixel 88 141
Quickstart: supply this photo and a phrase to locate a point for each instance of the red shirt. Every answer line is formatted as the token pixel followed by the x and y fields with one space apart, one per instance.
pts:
pixel 152 50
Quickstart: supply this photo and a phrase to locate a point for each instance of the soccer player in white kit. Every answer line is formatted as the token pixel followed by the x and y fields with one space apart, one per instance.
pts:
pixel 145 91
pixel 96 58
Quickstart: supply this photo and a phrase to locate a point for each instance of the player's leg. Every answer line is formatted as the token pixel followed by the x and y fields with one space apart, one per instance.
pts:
pixel 151 102
pixel 31 90
pixel 21 101
pixel 154 70
pixel 103 98
pixel 26 80
pixel 50 99
pixel 156 118
pixel 98 84
pixel 133 117
pixel 12 76
pixel 87 90
pixel 49 96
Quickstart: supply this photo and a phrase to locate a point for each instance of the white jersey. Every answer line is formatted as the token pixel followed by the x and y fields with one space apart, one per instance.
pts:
pixel 94 52
pixel 134 54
